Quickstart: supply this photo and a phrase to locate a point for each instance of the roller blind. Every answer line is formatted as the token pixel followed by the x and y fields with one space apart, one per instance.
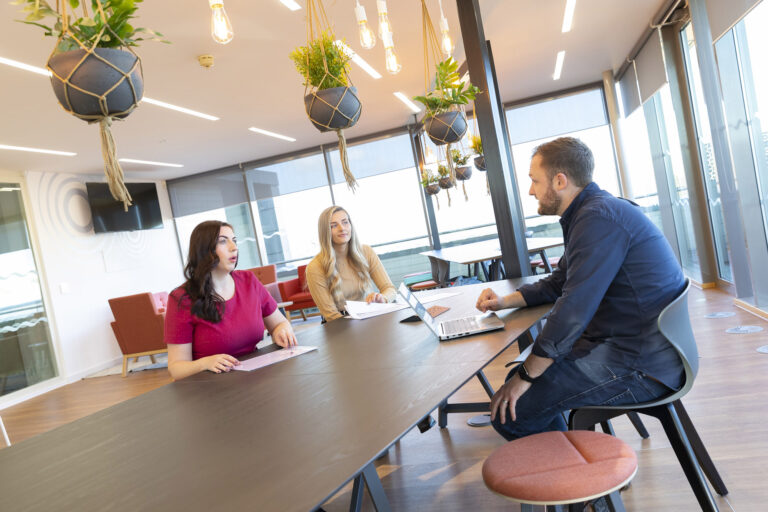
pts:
pixel 630 93
pixel 724 14
pixel 650 68
pixel 209 191
pixel 286 177
pixel 376 157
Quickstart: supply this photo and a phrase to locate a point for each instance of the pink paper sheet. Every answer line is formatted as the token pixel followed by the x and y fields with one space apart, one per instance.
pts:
pixel 272 358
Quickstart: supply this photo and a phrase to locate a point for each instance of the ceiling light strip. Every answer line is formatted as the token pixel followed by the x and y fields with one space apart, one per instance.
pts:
pixel 149 162
pixel 25 67
pixel 183 110
pixel 37 150
pixel 271 134
pixel 357 59
pixel 411 105
pixel 570 7
pixel 291 4
pixel 559 65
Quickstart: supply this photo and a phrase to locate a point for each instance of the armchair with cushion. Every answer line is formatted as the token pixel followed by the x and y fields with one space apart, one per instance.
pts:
pixel 267 276
pixel 138 325
pixel 296 291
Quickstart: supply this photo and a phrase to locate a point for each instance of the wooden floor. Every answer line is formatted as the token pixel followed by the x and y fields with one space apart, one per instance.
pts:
pixel 440 470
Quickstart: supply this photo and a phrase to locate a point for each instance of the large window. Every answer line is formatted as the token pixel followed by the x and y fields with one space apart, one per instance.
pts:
pixel 640 165
pixel 581 115
pixel 707 155
pixel 287 199
pixel 26 356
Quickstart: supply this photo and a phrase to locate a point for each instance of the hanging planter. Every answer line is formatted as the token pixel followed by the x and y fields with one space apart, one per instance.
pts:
pixel 476 144
pixel 95 74
pixel 445 180
pixel 446 128
pixel 462 171
pixel 330 99
pixel 479 162
pixel 430 183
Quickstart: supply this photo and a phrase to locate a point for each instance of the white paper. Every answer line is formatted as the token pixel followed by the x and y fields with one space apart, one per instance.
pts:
pixel 272 358
pixel 359 310
pixel 437 296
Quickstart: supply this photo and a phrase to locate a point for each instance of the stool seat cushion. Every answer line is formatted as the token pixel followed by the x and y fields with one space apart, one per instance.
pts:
pixel 559 467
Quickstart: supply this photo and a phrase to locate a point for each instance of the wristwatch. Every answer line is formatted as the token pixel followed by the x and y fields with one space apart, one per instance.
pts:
pixel 523 373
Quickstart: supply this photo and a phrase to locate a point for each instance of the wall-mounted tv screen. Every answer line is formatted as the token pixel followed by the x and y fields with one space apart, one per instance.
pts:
pixel 108 214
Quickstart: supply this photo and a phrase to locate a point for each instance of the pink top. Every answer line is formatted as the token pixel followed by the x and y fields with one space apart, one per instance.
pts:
pixel 241 326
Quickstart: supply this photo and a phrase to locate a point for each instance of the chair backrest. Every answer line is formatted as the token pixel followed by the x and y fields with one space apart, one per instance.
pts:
pixel 139 326
pixel 302 271
pixel 266 274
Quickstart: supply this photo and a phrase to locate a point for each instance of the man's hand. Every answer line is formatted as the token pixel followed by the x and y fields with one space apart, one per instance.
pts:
pixel 505 399
pixel 489 301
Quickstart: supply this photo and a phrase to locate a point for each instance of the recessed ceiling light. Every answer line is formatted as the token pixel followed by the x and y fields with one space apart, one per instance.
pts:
pixel 25 67
pixel 291 5
pixel 411 105
pixel 570 7
pixel 559 65
pixel 148 162
pixel 179 109
pixel 357 59
pixel 37 150
pixel 272 134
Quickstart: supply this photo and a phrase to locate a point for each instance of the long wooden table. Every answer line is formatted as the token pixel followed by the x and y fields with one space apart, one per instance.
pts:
pixel 485 254
pixel 285 437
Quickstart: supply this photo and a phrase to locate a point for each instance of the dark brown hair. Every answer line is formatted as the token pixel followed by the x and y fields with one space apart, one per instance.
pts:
pixel 201 260
pixel 569 156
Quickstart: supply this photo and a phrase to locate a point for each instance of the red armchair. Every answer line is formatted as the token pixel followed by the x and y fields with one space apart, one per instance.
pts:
pixel 138 326
pixel 267 276
pixel 296 291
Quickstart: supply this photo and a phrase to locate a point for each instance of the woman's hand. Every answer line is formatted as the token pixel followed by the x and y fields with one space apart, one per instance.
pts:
pixel 283 335
pixel 375 297
pixel 218 363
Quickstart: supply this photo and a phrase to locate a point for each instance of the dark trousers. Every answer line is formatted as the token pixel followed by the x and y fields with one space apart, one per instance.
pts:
pixel 569 384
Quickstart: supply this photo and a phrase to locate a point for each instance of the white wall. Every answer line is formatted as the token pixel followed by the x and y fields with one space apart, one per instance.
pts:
pixel 83 269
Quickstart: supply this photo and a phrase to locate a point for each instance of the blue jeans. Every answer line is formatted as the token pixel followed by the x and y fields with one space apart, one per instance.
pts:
pixel 569 384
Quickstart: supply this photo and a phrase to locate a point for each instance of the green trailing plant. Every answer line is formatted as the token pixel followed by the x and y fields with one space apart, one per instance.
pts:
pixel 476 143
pixel 118 14
pixel 458 158
pixel 428 178
pixel 449 91
pixel 311 65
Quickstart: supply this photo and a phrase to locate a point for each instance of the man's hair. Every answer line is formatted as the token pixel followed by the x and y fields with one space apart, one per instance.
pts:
pixel 569 156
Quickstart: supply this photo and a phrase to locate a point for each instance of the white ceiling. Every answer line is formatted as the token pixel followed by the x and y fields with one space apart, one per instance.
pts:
pixel 253 82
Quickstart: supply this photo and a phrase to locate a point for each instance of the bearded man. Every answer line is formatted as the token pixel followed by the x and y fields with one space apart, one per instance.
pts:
pixel 600 344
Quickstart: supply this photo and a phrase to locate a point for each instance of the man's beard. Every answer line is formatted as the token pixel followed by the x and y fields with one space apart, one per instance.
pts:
pixel 550 203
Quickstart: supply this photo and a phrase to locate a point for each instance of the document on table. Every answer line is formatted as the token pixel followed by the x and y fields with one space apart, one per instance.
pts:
pixel 272 358
pixel 359 310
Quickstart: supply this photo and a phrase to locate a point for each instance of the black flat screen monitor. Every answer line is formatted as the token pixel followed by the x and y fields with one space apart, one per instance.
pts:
pixel 108 214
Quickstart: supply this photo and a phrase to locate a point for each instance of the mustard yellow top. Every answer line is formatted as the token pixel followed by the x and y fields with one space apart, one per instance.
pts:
pixel 350 283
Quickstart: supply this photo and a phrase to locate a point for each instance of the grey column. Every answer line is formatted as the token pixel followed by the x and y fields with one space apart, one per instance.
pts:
pixel 491 123
pixel 429 209
pixel 612 107
pixel 729 195
pixel 686 131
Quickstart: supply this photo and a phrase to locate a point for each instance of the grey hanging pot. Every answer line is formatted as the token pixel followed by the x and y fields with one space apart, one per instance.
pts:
pixel 446 128
pixel 333 109
pixel 480 162
pixel 79 83
pixel 446 182
pixel 463 173
pixel 432 189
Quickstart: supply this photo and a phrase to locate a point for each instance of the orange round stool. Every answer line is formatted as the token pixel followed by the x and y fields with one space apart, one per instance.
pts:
pixel 558 468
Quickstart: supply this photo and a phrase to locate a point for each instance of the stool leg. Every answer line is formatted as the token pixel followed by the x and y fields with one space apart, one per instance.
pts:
pixel 614 502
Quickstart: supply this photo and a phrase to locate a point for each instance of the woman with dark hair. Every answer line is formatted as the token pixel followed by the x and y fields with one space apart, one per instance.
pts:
pixel 219 313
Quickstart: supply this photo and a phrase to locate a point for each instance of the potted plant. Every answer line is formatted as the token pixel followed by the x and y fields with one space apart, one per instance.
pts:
pixel 463 171
pixel 444 177
pixel 476 144
pixel 331 104
pixel 330 100
pixel 430 182
pixel 95 74
pixel 444 122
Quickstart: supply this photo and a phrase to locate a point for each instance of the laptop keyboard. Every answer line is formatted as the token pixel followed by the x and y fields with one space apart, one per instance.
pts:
pixel 460 325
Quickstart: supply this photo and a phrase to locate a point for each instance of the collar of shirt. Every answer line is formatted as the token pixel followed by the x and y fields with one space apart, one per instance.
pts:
pixel 590 190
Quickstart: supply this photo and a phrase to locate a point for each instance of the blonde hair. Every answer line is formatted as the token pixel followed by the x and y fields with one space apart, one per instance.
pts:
pixel 327 256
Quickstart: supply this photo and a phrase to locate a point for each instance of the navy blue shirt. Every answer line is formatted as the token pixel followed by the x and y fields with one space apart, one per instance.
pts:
pixel 617 274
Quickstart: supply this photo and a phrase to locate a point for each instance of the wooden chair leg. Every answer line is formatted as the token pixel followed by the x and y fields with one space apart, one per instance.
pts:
pixel 125 366
pixel 303 315
pixel 152 358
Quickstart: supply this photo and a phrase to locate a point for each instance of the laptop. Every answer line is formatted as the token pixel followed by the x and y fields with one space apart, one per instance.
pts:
pixel 456 328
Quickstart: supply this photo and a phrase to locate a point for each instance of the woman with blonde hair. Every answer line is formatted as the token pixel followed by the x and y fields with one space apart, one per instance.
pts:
pixel 344 269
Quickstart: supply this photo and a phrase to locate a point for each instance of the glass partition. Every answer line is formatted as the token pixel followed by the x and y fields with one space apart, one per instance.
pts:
pixel 26 355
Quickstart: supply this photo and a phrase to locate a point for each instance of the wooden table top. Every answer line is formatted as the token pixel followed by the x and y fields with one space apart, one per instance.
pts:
pixel 284 437
pixel 488 250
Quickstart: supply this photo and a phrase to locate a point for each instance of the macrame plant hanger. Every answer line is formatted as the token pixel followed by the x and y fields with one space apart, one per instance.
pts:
pixel 317 23
pixel 112 169
pixel 476 133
